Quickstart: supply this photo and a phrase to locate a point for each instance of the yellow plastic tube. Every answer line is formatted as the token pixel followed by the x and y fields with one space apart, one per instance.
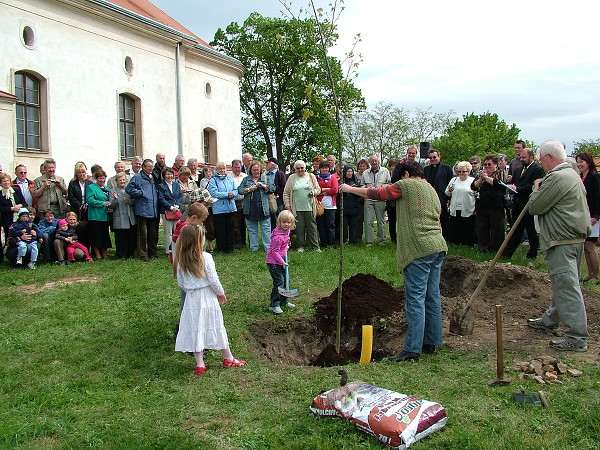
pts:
pixel 367 344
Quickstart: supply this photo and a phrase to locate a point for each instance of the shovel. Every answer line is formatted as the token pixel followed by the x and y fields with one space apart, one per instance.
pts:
pixel 461 319
pixel 287 292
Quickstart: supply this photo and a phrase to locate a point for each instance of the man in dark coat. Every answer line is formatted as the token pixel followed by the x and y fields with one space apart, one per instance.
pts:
pixel 522 181
pixel 439 174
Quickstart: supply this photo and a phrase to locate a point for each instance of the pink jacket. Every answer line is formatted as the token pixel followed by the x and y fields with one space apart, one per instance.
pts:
pixel 280 241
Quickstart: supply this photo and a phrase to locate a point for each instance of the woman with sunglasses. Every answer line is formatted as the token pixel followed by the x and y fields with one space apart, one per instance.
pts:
pixel 462 206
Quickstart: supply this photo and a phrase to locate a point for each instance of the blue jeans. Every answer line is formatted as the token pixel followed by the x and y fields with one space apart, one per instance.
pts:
pixel 265 230
pixel 423 302
pixel 22 249
pixel 278 274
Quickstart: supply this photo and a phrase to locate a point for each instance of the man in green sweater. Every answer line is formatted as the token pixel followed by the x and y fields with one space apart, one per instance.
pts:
pixel 559 201
pixel 420 254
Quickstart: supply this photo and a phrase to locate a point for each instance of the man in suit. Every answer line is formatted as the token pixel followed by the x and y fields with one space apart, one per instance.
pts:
pixel 24 184
pixel 439 174
pixel 522 181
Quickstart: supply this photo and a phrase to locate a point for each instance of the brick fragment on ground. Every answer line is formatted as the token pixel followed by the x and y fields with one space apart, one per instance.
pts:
pixel 545 370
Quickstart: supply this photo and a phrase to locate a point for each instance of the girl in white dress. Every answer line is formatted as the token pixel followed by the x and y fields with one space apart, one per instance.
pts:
pixel 201 325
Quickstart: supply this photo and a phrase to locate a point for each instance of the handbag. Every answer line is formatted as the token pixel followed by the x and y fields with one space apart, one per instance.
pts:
pixel 170 215
pixel 272 203
pixel 319 207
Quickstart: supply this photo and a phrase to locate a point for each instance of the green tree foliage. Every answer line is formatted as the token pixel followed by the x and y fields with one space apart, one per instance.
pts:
pixel 476 135
pixel 285 94
pixel 592 146
pixel 387 130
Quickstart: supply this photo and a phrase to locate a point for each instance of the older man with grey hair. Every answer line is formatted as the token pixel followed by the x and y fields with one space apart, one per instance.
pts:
pixel 560 203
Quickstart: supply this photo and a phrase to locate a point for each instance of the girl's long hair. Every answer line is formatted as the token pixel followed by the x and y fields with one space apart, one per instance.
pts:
pixel 188 254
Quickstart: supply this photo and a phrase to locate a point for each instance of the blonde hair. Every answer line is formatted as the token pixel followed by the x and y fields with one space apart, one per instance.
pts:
pixel 188 254
pixel 287 216
pixel 199 210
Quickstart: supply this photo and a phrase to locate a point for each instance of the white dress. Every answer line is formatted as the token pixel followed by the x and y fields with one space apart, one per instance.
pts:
pixel 201 325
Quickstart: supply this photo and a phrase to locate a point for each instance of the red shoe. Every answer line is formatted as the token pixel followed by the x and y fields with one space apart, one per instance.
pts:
pixel 227 363
pixel 200 370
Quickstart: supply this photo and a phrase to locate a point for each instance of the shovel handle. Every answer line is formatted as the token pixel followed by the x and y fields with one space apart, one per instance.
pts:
pixel 496 258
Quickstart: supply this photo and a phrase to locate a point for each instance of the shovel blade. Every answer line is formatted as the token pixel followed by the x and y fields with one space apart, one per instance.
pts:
pixel 289 293
pixel 462 322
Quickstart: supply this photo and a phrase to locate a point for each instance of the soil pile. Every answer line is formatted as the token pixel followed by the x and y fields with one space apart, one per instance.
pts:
pixel 521 291
pixel 365 301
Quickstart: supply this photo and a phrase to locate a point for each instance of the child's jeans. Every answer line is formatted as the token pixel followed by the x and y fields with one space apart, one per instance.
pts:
pixel 71 251
pixel 22 247
pixel 278 274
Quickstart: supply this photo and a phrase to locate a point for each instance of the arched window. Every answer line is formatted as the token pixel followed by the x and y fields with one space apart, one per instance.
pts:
pixel 27 90
pixel 127 126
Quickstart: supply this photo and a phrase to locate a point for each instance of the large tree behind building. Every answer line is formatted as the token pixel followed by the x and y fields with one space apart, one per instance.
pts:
pixel 286 94
pixel 476 134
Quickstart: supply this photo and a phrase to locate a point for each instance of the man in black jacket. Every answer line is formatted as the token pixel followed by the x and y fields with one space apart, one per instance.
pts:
pixel 522 181
pixel 439 174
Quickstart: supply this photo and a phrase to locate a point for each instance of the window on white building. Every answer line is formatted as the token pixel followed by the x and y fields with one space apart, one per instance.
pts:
pixel 127 126
pixel 29 112
pixel 210 146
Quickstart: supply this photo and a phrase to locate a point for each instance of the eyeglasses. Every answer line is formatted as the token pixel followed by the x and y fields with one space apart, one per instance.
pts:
pixel 300 168
pixel 463 171
pixel 488 164
pixel 23 172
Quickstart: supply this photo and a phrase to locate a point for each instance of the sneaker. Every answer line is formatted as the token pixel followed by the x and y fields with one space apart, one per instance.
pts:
pixel 300 249
pixel 318 250
pixel 539 325
pixel 276 310
pixel 404 356
pixel 566 346
pixel 368 245
pixel 382 244
pixel 31 265
pixel 19 260
pixel 290 305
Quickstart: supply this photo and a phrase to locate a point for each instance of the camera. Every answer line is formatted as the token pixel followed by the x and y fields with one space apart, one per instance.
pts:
pixel 310 194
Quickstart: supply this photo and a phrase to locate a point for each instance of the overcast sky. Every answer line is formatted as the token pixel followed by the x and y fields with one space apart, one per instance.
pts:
pixel 534 63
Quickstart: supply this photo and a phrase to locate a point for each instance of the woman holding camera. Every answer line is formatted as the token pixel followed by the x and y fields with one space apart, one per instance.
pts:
pixel 298 197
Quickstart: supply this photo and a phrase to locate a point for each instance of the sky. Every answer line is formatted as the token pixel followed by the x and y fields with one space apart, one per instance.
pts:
pixel 536 64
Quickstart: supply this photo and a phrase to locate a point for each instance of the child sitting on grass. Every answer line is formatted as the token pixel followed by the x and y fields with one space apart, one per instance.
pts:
pixel 276 259
pixel 71 241
pixel 201 325
pixel 26 235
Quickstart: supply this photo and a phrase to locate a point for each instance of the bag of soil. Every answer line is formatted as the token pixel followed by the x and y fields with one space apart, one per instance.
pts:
pixel 395 419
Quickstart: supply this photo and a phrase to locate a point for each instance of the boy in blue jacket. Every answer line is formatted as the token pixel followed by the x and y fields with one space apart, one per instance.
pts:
pixel 26 235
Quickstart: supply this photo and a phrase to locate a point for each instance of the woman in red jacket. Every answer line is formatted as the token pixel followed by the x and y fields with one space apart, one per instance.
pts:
pixel 329 187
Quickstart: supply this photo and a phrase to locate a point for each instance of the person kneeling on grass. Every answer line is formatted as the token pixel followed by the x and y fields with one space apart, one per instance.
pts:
pixel 201 325
pixel 26 235
pixel 420 257
pixel 276 259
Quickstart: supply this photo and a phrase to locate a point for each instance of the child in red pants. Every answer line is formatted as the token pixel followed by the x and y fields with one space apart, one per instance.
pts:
pixel 68 235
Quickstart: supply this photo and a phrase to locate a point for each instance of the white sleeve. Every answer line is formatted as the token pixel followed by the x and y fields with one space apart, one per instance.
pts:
pixel 211 274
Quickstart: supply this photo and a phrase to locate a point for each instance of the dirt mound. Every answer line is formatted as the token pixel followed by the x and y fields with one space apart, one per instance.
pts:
pixel 365 301
pixel 521 291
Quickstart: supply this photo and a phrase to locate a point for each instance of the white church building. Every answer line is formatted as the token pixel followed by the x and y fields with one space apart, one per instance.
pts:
pixel 102 81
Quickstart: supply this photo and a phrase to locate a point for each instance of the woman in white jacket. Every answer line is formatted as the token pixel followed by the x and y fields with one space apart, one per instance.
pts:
pixel 462 206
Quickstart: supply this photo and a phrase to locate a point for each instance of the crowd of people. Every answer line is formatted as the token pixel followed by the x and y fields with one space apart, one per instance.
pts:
pixel 469 203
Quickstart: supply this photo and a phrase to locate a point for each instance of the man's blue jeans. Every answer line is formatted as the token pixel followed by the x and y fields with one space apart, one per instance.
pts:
pixel 423 302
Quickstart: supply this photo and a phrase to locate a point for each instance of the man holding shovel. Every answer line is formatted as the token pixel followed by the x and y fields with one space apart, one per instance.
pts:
pixel 420 257
pixel 559 201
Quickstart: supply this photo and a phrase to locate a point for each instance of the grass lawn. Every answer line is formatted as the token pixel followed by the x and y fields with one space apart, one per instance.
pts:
pixel 92 364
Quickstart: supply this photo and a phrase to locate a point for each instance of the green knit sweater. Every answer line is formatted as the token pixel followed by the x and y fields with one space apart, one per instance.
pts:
pixel 418 222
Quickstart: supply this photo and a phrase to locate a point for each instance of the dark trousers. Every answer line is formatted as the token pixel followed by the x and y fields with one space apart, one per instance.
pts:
pixel 278 275
pixel 391 213
pixel 125 242
pixel 528 224
pixel 47 248
pixel 462 229
pixel 224 231
pixel 490 229
pixel 326 227
pixel 350 225
pixel 146 236
pixel 239 226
